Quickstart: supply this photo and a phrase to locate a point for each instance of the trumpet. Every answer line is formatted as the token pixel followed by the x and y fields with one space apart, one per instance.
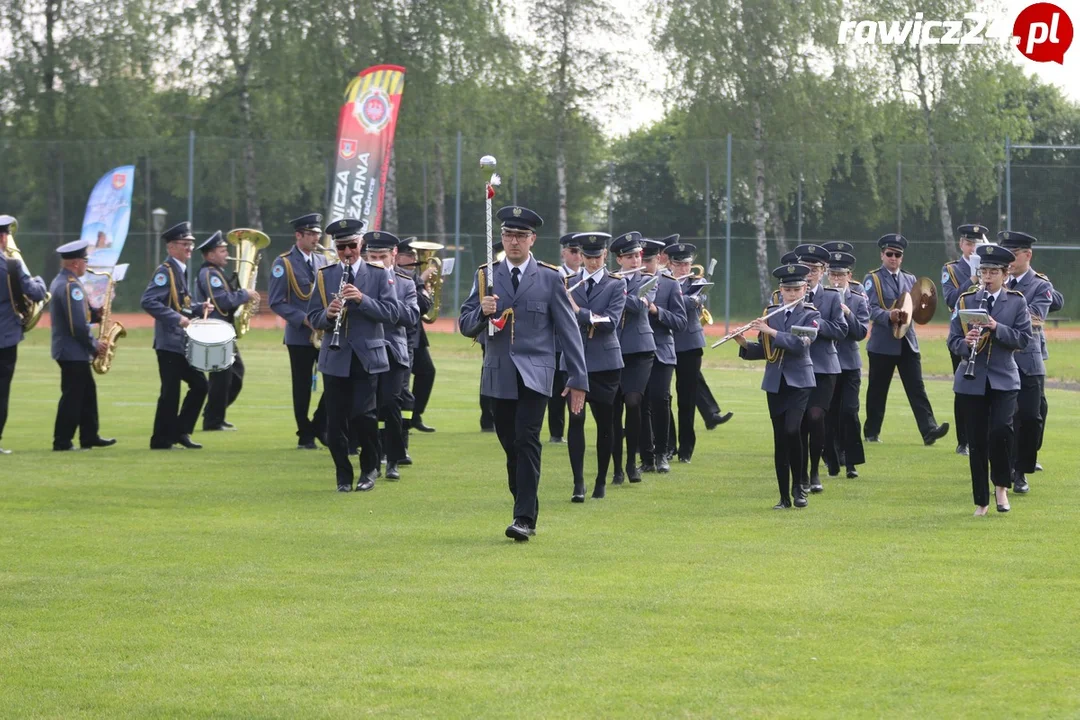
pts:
pixel 335 339
pixel 697 271
pixel 426 259
pixel 740 330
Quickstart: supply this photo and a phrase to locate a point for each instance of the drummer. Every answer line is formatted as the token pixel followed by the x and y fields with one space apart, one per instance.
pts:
pixel 166 298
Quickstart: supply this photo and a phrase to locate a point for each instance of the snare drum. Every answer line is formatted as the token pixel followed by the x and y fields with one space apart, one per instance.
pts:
pixel 211 345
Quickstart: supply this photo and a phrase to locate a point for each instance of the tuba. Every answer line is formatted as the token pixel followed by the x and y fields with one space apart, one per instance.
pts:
pixel 248 245
pixel 28 311
pixel 425 259
pixel 109 331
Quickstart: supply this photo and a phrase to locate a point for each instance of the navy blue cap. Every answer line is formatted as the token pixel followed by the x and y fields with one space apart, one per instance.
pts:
pixel 380 240
pixel 651 248
pixel 895 241
pixel 344 229
pixel 592 244
pixel 212 242
pixel 994 255
pixel 569 240
pixel 670 239
pixel 311 221
pixel 973 231
pixel 180 231
pixel 405 246
pixel 496 247
pixel 74 249
pixel 810 253
pixel 791 275
pixel 1016 240
pixel 789 258
pixel 680 251
pixel 515 217
pixel 6 221
pixel 841 261
pixel 626 243
pixel 835 246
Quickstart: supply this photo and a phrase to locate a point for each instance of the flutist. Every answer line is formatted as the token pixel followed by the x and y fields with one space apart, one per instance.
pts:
pixel 353 353
pixel 988 380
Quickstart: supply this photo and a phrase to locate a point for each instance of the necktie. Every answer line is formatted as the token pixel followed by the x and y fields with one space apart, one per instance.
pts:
pixel 349 277
pixel 990 304
pixel 514 278
pixel 1012 283
pixel 311 266
pixel 787 317
pixel 896 279
pixel 589 286
pixel 809 299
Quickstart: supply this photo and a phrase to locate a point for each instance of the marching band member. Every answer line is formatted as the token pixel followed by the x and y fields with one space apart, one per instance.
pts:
pixel 958 277
pixel 529 303
pixel 990 388
pixel 667 315
pixel 166 299
pixel 789 376
pixel 354 317
pixel 74 348
pixel 688 349
pixel 214 288
pixel 570 253
pixel 1038 292
pixel 843 431
pixel 598 305
pixel 884 287
pixel 14 279
pixel 292 280
pixel 638 350
pixel 423 368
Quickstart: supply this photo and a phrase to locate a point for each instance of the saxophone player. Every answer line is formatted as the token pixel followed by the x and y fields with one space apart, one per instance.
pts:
pixel 213 288
pixel 74 348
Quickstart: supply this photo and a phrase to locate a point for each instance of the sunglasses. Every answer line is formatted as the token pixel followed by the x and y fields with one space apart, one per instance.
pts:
pixel 347 246
pixel 893 254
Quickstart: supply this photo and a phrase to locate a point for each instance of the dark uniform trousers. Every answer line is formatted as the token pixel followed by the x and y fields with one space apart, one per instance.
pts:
pixel 302 361
pixel 813 424
pixel 8 356
pixel 168 426
pixel 557 403
pixel 350 410
pixel 1029 423
pixel 687 372
pixel 78 405
pixel 517 424
pixel 843 431
pixel 223 388
pixel 423 370
pixel 706 401
pixel 786 410
pixel 882 366
pixel 958 408
pixel 990 439
pixel 390 386
pixel 487 404
pixel 1043 407
pixel 656 413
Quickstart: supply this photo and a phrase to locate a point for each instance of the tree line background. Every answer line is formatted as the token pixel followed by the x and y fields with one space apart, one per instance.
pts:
pixel 829 141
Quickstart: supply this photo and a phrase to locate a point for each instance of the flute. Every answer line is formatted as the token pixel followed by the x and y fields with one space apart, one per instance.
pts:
pixel 740 330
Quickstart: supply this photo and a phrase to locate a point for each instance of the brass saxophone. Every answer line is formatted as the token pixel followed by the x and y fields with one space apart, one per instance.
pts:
pixel 109 331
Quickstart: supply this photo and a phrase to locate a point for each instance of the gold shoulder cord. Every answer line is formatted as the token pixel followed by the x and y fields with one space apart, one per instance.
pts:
pixel 952 275
pixel 880 295
pixel 772 354
pixel 293 285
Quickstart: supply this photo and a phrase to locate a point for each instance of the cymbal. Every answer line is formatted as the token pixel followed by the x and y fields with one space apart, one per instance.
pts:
pixel 924 299
pixel 905 305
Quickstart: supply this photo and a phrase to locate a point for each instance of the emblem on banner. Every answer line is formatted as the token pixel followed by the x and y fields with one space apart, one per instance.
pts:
pixel 119 180
pixel 373 110
pixel 347 149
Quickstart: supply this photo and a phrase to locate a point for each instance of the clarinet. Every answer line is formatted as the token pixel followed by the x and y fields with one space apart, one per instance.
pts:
pixel 969 370
pixel 335 340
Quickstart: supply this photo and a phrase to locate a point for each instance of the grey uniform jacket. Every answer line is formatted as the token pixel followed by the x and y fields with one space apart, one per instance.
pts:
pixel 71 316
pixel 995 361
pixel 362 327
pixel 833 326
pixel 397 334
pixel 881 292
pixel 213 287
pixel 1056 304
pixel 692 336
pixel 166 298
pixel 1039 293
pixel 570 277
pixel 669 319
pixel 11 330
pixel 526 344
pixel 955 279
pixel 291 283
pixel 847 350
pixel 786 355
pixel 601 341
pixel 635 330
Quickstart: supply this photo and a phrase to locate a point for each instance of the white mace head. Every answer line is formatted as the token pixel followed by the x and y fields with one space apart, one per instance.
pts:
pixel 495 181
pixel 488 161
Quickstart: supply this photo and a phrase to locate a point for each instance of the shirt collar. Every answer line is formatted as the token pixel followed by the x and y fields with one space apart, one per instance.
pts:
pixel 1021 278
pixel 995 295
pixel 356 266
pixel 596 276
pixel 522 267
pixel 306 256
pixel 183 267
pixel 815 289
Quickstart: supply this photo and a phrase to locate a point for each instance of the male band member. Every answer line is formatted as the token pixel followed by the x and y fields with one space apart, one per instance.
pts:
pixel 166 298
pixel 843 431
pixel 789 377
pixel 530 304
pixel 884 287
pixel 597 299
pixel 15 281
pixel 958 277
pixel 74 348
pixel 667 315
pixel 292 280
pixel 423 368
pixel 213 287
pixel 570 253
pixel 833 326
pixel 688 348
pixel 351 305
pixel 381 249
pixel 638 349
pixel 1039 293
pixel 990 389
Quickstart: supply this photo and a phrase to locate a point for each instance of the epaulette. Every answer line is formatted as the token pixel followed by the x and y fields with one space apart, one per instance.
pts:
pixel 647 274
pixel 833 289
pixel 286 253
pixel 905 272
pixel 809 306
pixel 1042 276
pixel 614 276
pixel 327 267
pixel 970 291
pixel 770 307
pixel 401 274
pixel 549 266
pixel 1014 292
pixel 856 288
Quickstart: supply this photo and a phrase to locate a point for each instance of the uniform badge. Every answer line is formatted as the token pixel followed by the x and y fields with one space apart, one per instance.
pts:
pixel 868 284
pixel 944 276
pixel 517 212
pixel 76 294
pixel 837 256
pixel 160 280
pixel 215 281
pixel 791 269
pixel 278 271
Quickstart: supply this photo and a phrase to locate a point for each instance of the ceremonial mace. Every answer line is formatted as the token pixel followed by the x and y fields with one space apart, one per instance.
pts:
pixel 488 161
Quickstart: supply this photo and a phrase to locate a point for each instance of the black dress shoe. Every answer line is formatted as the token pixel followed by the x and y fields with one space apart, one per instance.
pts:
pixel 99 442
pixel 556 440
pixel 648 468
pixel 187 442
pixel 1003 508
pixel 215 428
pixel 815 485
pixel 936 433
pixel 717 420
pixel 799 496
pixel 344 488
pixel 309 445
pixel 392 471
pixel 407 460
pixel 1020 484
pixel 782 505
pixel 519 530
pixel 365 483
pixel 598 490
pixel 418 424
pixel 633 474
pixel 834 472
pixel 579 493
pixel 684 460
pixel 852 473
pixel 962 450
pixel 617 478
pixel 1038 467
pixel 663 465
pixel 872 439
pixel 226 425
pixel 805 487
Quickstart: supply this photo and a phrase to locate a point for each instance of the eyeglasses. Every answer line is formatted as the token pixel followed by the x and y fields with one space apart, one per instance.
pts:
pixel 516 237
pixel 347 246
pixel 893 254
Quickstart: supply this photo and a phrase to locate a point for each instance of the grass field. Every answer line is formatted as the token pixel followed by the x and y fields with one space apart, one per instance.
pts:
pixel 234 581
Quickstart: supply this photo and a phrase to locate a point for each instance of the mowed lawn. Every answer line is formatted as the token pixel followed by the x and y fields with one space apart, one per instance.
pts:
pixel 234 581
